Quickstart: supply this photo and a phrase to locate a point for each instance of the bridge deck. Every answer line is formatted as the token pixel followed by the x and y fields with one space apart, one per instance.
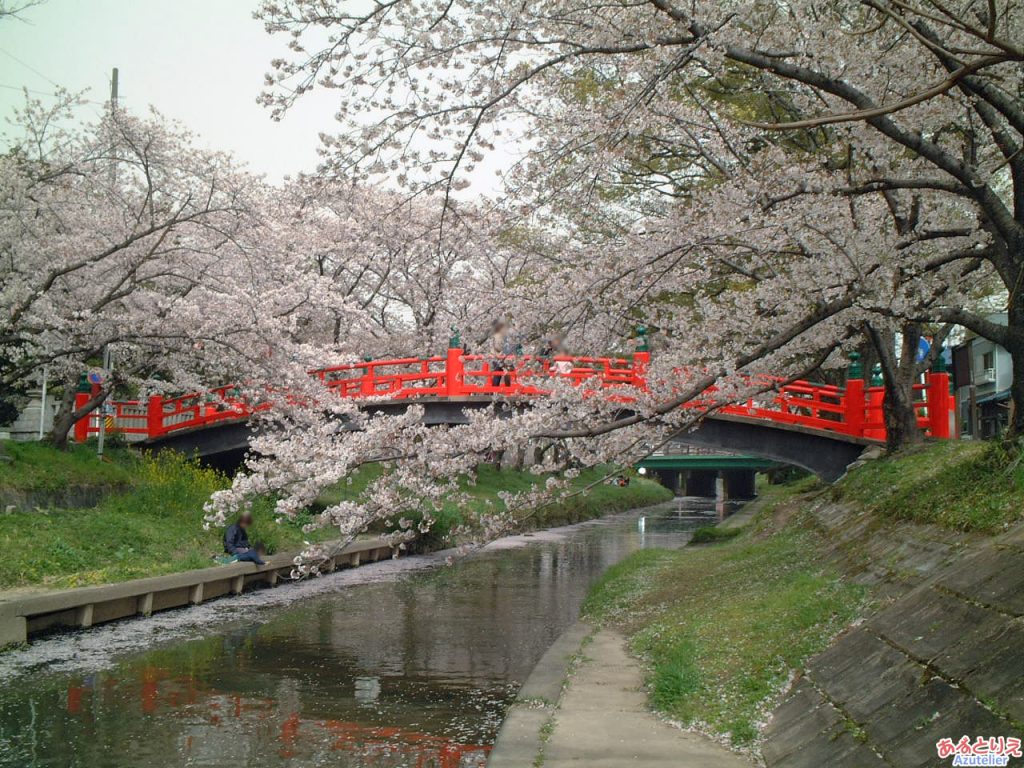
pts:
pixel 853 412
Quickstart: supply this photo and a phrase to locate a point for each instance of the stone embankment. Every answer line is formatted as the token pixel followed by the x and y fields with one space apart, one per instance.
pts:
pixel 23 614
pixel 942 657
pixel 67 497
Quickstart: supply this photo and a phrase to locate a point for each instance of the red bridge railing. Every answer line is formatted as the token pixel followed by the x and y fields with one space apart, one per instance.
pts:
pixel 854 410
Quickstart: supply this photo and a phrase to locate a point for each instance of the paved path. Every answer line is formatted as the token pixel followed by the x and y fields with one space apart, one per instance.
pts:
pixel 601 719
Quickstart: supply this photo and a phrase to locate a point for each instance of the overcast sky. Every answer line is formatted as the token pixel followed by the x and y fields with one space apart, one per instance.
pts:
pixel 198 61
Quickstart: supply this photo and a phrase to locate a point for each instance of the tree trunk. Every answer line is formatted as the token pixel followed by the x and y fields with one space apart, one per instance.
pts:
pixel 900 417
pixel 67 415
pixel 901 429
pixel 62 419
pixel 1015 346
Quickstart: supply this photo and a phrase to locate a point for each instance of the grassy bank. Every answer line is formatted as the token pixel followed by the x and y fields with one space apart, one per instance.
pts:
pixel 37 467
pixel 708 534
pixel 724 626
pixel 484 497
pixel 957 484
pixel 150 522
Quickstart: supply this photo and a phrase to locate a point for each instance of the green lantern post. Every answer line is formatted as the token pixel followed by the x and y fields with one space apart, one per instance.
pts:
pixel 856 369
pixel 853 398
pixel 642 341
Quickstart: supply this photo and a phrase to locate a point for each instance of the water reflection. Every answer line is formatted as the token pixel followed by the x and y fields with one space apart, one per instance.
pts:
pixel 416 671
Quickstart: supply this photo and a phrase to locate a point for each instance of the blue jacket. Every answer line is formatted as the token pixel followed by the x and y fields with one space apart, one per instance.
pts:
pixel 235 539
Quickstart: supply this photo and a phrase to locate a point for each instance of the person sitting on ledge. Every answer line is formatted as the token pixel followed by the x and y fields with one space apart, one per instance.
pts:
pixel 236 541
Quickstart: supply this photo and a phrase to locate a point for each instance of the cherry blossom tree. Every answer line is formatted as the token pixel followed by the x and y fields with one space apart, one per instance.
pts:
pixel 788 305
pixel 416 271
pixel 674 177
pixel 762 191
pixel 916 102
pixel 122 236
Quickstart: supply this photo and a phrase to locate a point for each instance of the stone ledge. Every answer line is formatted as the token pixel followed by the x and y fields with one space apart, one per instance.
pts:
pixel 519 740
pixel 24 615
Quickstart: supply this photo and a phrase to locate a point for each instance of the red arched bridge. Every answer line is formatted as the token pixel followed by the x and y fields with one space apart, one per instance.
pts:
pixel 817 417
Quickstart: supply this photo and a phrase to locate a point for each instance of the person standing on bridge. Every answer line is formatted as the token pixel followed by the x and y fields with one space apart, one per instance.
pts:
pixel 503 346
pixel 236 541
pixel 552 348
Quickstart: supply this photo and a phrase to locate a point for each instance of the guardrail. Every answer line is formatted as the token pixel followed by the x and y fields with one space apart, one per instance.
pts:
pixel 855 410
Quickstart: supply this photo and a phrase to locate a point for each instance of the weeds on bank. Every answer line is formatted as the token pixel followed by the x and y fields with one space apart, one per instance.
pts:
pixel 957 484
pixel 724 628
pixel 38 467
pixel 151 520
pixel 154 527
pixel 485 489
pixel 708 534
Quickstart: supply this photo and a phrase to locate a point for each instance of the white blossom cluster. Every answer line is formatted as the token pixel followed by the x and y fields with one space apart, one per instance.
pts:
pixel 764 188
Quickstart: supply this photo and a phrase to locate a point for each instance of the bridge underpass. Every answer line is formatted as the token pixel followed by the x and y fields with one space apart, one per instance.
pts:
pixel 752 444
pixel 692 471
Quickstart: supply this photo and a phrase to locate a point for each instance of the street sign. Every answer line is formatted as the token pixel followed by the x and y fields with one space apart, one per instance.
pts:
pixel 923 348
pixel 96 376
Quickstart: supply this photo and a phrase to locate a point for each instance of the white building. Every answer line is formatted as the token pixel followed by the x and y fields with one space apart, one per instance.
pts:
pixel 982 374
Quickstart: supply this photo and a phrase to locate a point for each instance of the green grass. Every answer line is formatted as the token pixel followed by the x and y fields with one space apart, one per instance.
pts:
pixel 601 499
pixel 723 628
pixel 961 485
pixel 484 498
pixel 154 527
pixel 152 521
pixel 37 467
pixel 708 534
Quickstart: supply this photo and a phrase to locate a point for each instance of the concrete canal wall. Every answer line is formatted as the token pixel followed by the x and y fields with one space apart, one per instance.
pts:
pixel 26 614
pixel 943 657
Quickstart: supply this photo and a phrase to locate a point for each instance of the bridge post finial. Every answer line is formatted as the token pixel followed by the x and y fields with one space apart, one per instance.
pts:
pixel 856 368
pixel 876 375
pixel 641 339
pixel 455 341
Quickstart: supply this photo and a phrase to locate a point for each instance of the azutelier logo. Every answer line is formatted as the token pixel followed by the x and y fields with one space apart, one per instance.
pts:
pixel 982 750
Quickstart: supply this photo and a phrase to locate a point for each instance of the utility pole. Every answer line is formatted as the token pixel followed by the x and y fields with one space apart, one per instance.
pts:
pixel 42 403
pixel 106 350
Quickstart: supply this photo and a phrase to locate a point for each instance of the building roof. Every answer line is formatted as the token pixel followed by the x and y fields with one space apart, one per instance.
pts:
pixel 995 397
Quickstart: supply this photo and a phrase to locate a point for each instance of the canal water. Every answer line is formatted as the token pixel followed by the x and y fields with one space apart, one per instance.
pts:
pixel 407 663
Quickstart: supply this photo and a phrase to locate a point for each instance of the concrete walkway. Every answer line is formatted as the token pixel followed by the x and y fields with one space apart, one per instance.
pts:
pixel 601 720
